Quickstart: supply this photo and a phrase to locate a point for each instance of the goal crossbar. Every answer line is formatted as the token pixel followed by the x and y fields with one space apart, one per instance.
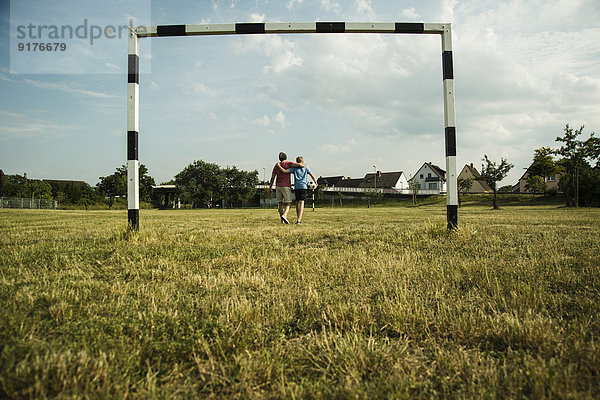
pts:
pixel 133 82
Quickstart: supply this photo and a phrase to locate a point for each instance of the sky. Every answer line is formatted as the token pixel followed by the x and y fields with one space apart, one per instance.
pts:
pixel 523 69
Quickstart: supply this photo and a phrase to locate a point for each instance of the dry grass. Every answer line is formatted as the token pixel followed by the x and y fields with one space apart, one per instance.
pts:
pixel 377 303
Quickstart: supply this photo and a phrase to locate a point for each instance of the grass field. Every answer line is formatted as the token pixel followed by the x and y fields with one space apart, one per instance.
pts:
pixel 355 303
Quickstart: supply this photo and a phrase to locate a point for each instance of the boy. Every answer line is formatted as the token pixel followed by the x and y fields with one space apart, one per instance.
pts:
pixel 283 188
pixel 300 184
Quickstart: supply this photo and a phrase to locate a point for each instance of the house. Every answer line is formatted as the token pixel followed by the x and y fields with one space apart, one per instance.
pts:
pixel 551 183
pixel 379 180
pixel 329 180
pixel 431 177
pixel 477 184
pixel 386 180
pixel 64 182
pixel 349 183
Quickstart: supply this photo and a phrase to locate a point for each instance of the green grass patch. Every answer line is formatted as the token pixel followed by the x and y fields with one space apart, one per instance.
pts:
pixel 369 303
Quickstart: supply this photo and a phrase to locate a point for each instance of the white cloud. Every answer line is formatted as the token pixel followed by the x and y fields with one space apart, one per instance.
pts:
pixel 257 18
pixel 285 60
pixel 447 12
pixel 291 3
pixel 337 148
pixel 199 87
pixel 409 14
pixel 331 5
pixel 281 52
pixel 262 121
pixel 30 128
pixel 66 88
pixel 364 8
pixel 280 117
pixel 11 114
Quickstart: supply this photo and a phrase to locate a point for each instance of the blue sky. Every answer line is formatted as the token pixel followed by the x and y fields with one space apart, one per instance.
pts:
pixel 523 69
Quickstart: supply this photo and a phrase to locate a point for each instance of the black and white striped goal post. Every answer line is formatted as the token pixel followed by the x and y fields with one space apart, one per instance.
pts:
pixel 133 83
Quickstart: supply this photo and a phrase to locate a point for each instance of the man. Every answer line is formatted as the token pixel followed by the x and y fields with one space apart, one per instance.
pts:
pixel 300 184
pixel 283 186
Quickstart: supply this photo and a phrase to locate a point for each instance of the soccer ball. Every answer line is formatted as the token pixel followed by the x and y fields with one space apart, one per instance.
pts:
pixel 311 185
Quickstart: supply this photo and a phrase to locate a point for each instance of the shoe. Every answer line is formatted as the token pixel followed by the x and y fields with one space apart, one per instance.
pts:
pixel 284 220
pixel 298 223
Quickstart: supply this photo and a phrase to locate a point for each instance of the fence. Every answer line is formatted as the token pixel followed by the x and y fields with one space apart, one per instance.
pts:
pixel 336 189
pixel 16 202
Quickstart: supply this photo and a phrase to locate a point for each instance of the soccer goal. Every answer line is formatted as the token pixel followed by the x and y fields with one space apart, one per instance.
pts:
pixel 133 83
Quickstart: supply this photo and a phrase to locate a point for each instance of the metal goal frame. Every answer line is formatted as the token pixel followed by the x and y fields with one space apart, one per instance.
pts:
pixel 133 82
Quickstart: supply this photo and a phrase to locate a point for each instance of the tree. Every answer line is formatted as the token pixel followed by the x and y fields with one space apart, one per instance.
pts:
pixel 15 186
pixel 464 185
pixel 38 189
pixel 535 184
pixel 240 186
pixel 340 196
pixel 575 154
pixel 373 195
pixel 264 195
pixel 200 183
pixel 414 186
pixel 116 184
pixel 493 173
pixel 543 163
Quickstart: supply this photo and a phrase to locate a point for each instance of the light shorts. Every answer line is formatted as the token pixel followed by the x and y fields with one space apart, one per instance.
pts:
pixel 284 194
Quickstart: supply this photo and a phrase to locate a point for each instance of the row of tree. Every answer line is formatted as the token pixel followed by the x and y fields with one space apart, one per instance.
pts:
pixel 115 185
pixel 204 184
pixel 66 193
pixel 577 166
pixel 200 184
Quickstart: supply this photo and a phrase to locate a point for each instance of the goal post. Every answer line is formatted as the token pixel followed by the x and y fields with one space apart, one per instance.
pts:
pixel 133 82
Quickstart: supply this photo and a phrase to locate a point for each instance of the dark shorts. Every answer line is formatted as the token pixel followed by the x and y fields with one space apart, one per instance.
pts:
pixel 301 194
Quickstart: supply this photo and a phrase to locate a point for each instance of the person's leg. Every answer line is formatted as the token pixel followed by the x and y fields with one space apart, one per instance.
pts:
pixel 286 210
pixel 281 200
pixel 300 209
pixel 287 202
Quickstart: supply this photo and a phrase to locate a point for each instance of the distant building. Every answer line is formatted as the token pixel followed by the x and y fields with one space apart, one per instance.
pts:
pixel 329 180
pixel 385 180
pixel 477 184
pixel 349 183
pixel 61 182
pixel 551 183
pixel 379 180
pixel 431 177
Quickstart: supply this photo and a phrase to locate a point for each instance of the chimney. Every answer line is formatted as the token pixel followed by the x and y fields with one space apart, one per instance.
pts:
pixel 25 175
pixel 471 165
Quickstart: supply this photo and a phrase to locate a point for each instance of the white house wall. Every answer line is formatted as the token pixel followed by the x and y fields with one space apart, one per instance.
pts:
pixel 402 182
pixel 426 172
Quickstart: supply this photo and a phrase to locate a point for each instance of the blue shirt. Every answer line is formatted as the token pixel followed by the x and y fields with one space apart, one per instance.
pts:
pixel 300 174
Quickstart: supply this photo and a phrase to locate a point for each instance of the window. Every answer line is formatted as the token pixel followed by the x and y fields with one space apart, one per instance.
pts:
pixel 432 185
pixel 421 176
pixel 552 178
pixel 429 175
